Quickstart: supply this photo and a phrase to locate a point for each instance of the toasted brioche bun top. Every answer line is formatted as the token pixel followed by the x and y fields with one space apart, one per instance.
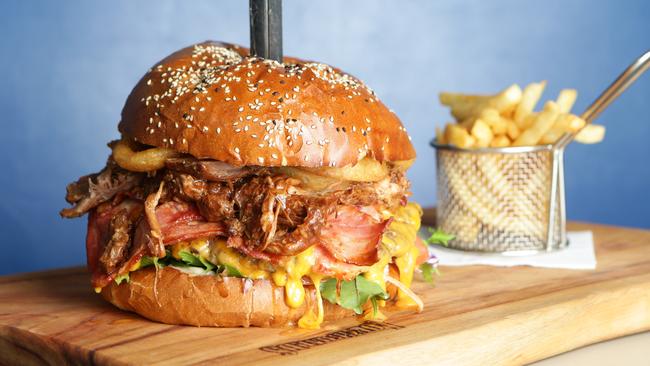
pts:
pixel 212 100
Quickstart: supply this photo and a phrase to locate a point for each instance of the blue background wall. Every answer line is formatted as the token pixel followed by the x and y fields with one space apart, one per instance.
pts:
pixel 67 67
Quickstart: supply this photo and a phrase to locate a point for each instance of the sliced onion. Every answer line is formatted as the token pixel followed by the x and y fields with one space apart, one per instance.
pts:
pixel 407 291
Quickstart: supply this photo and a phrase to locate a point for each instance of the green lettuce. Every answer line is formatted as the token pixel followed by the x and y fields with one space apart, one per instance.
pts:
pixel 429 268
pixel 429 272
pixel 353 294
pixel 122 278
pixel 232 271
pixel 188 259
pixel 439 237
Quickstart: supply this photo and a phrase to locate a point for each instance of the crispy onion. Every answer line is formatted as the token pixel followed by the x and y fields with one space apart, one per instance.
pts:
pixel 140 161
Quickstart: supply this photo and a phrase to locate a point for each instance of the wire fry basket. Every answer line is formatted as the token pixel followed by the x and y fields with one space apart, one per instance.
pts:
pixel 508 200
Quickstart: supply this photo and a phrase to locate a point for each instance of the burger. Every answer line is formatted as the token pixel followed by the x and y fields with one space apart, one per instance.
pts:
pixel 248 192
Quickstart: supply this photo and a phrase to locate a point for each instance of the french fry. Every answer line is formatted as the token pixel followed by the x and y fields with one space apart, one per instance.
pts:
pixel 458 136
pixel 500 141
pixel 576 123
pixel 550 137
pixel 482 133
pixel 465 106
pixel 468 123
pixel 531 94
pixel 560 127
pixel 512 130
pixel 497 123
pixel 457 99
pixel 566 99
pixel 528 121
pixel 507 100
pixel 565 123
pixel 591 134
pixel 542 124
pixel 440 136
pixel 508 118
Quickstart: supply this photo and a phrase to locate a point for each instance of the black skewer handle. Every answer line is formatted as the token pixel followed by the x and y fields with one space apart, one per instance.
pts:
pixel 266 28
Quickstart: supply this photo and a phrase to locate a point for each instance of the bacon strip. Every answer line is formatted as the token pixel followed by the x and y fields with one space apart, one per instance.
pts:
pixel 351 234
pixel 178 222
pixel 328 265
pixel 99 235
pixel 183 221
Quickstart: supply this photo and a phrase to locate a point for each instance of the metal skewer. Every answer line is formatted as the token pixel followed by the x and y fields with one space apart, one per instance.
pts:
pixel 636 69
pixel 266 28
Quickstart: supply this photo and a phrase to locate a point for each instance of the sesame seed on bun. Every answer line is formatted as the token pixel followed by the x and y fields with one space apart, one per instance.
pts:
pixel 213 100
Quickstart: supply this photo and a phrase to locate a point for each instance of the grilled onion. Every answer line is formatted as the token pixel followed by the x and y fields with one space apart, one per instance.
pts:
pixel 311 181
pixel 366 170
pixel 140 161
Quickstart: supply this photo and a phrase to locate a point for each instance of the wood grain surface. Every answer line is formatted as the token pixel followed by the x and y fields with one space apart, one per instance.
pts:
pixel 475 315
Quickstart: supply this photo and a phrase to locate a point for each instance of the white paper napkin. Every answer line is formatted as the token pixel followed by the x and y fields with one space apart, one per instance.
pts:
pixel 578 255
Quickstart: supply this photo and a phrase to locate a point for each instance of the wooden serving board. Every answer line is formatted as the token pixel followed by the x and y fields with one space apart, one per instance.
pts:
pixel 475 315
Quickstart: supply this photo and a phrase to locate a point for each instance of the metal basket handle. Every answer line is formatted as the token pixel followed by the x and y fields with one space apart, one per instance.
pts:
pixel 629 76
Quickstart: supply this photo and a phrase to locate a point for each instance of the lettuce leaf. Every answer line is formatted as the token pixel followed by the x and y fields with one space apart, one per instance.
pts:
pixel 353 294
pixel 122 278
pixel 147 261
pixel 232 271
pixel 438 237
pixel 188 259
pixel 429 272
pixel 429 268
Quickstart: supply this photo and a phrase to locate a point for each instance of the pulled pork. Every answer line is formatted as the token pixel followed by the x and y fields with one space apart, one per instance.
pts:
pixel 263 214
pixel 91 190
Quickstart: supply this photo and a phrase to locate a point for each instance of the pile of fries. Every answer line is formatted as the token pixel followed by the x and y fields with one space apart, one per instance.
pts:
pixel 508 119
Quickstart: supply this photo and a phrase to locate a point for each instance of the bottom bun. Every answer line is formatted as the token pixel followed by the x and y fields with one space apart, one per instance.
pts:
pixel 174 297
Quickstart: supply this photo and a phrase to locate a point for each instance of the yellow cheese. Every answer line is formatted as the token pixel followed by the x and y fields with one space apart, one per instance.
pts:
pixel 402 231
pixel 310 320
pixel 279 277
pixel 136 266
pixel 377 271
pixel 406 265
pixel 248 267
pixel 399 241
pixel 202 247
pixel 297 267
